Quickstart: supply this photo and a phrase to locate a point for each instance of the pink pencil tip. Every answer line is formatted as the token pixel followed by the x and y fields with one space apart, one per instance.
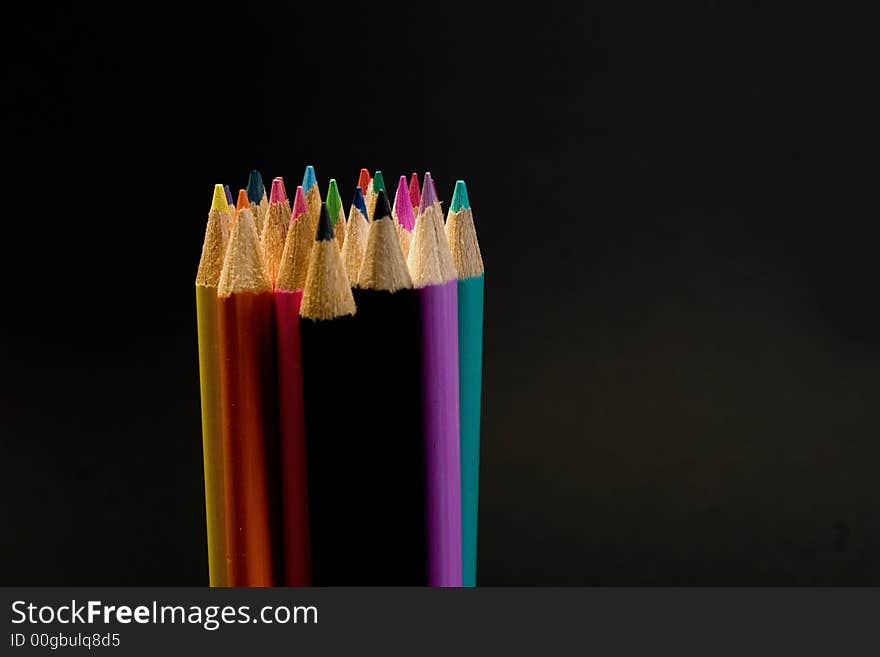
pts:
pixel 299 203
pixel 429 192
pixel 277 195
pixel 403 205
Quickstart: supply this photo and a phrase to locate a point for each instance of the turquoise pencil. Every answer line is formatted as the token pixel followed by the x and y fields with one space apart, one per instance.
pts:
pixel 468 262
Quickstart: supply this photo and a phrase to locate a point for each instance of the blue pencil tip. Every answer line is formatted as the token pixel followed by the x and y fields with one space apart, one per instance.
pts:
pixel 255 188
pixel 309 178
pixel 358 202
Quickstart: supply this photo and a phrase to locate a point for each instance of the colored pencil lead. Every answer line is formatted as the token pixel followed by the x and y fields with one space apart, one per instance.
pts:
pixel 364 180
pixel 229 200
pixel 378 182
pixel 299 204
pixel 309 178
pixel 403 206
pixel 415 193
pixel 277 195
pixel 255 188
pixel 358 201
pixel 242 202
pixel 334 203
pixel 219 202
pixel 325 226
pixel 429 193
pixel 459 197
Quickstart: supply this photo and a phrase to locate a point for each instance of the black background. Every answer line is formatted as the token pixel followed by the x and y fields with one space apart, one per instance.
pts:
pixel 682 341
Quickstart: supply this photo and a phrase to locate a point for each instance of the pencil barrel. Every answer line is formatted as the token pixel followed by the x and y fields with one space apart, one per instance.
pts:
pixel 212 438
pixel 250 440
pixel 294 481
pixel 440 404
pixel 470 370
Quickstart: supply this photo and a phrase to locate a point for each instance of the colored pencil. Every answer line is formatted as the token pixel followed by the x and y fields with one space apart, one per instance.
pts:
pixel 207 278
pixel 404 219
pixel 379 183
pixel 365 182
pixel 468 263
pixel 248 379
pixel 337 214
pixel 230 202
pixel 355 237
pixel 313 201
pixel 327 317
pixel 433 274
pixel 415 193
pixel 390 453
pixel 241 203
pixel 294 477
pixel 275 228
pixel 256 193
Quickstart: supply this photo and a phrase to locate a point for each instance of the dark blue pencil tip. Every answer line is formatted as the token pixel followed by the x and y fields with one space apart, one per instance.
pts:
pixel 359 203
pixel 325 228
pixel 229 200
pixel 255 188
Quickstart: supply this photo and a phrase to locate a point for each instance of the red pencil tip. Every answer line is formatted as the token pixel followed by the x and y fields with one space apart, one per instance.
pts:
pixel 364 180
pixel 415 193
pixel 277 195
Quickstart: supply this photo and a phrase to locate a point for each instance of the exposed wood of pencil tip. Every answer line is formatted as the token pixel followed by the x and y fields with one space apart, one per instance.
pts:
pixel 327 294
pixel 384 267
pixel 294 264
pixel 463 244
pixel 213 249
pixel 244 267
pixel 274 236
pixel 430 261
pixel 355 244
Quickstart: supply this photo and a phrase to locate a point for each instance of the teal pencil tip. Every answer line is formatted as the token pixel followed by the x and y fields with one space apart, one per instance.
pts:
pixel 309 178
pixel 459 197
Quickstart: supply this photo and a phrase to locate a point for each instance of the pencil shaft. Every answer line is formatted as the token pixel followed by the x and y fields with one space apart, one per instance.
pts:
pixel 389 447
pixel 294 484
pixel 212 436
pixel 440 390
pixel 470 359
pixel 334 503
pixel 250 441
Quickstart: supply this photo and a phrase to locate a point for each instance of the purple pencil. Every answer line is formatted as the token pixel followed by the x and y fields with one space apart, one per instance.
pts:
pixel 434 277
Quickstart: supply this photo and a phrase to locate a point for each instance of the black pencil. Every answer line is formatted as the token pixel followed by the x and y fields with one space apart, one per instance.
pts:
pixel 390 415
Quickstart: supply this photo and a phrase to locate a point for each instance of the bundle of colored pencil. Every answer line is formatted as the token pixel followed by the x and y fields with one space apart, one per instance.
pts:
pixel 340 362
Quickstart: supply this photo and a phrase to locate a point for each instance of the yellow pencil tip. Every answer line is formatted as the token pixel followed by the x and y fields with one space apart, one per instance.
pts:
pixel 219 201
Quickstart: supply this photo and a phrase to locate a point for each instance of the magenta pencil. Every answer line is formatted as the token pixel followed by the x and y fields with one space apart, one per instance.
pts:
pixel 433 273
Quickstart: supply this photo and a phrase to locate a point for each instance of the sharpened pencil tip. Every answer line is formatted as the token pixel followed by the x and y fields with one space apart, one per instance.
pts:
pixel 378 182
pixel 459 197
pixel 255 188
pixel 334 201
pixel 429 193
pixel 403 205
pixel 325 228
pixel 229 200
pixel 219 201
pixel 277 195
pixel 309 178
pixel 299 203
pixel 415 193
pixel 383 210
pixel 359 202
pixel 242 201
pixel 364 180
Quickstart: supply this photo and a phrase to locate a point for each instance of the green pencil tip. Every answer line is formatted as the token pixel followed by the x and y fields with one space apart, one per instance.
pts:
pixel 459 197
pixel 334 202
pixel 378 182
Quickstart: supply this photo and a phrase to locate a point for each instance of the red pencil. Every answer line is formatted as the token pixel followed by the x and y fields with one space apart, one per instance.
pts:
pixel 294 483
